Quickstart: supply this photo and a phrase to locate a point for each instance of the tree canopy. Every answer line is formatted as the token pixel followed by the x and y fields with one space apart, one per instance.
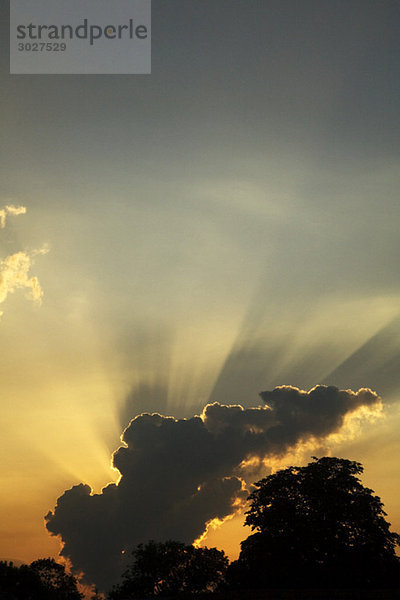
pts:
pixel 316 526
pixel 44 579
pixel 55 579
pixel 170 569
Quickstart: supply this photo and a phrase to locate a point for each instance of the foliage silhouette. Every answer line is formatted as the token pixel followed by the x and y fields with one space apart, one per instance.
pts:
pixel 44 579
pixel 170 569
pixel 316 526
pixel 19 583
pixel 56 580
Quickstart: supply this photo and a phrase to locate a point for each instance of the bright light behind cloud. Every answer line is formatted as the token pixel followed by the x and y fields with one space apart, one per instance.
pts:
pixel 229 532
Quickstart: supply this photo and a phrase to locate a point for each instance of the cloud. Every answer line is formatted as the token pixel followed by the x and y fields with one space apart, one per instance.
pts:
pixel 179 474
pixel 10 209
pixel 14 269
pixel 14 274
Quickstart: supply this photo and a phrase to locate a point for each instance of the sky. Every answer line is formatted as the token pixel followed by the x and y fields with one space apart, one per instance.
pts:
pixel 223 226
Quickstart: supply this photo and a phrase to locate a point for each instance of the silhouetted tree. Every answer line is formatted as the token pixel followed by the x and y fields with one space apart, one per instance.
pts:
pixel 61 585
pixel 44 579
pixel 169 569
pixel 316 526
pixel 19 583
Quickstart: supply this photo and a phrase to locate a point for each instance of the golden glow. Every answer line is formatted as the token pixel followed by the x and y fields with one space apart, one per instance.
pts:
pixel 211 525
pixel 229 532
pixel 354 422
pixel 214 526
pixel 226 535
pixel 250 463
pixel 65 371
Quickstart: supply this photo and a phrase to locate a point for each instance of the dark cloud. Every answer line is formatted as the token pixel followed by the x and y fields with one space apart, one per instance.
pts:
pixel 318 412
pixel 177 474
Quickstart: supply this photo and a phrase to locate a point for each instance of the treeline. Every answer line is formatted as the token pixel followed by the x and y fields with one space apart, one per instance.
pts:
pixel 314 528
pixel 43 579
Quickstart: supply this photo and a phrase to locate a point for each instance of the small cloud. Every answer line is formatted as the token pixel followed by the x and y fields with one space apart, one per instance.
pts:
pixel 45 249
pixel 10 209
pixel 14 274
pixel 14 269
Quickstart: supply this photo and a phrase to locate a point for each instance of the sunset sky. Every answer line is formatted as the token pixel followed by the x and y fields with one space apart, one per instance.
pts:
pixel 225 225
